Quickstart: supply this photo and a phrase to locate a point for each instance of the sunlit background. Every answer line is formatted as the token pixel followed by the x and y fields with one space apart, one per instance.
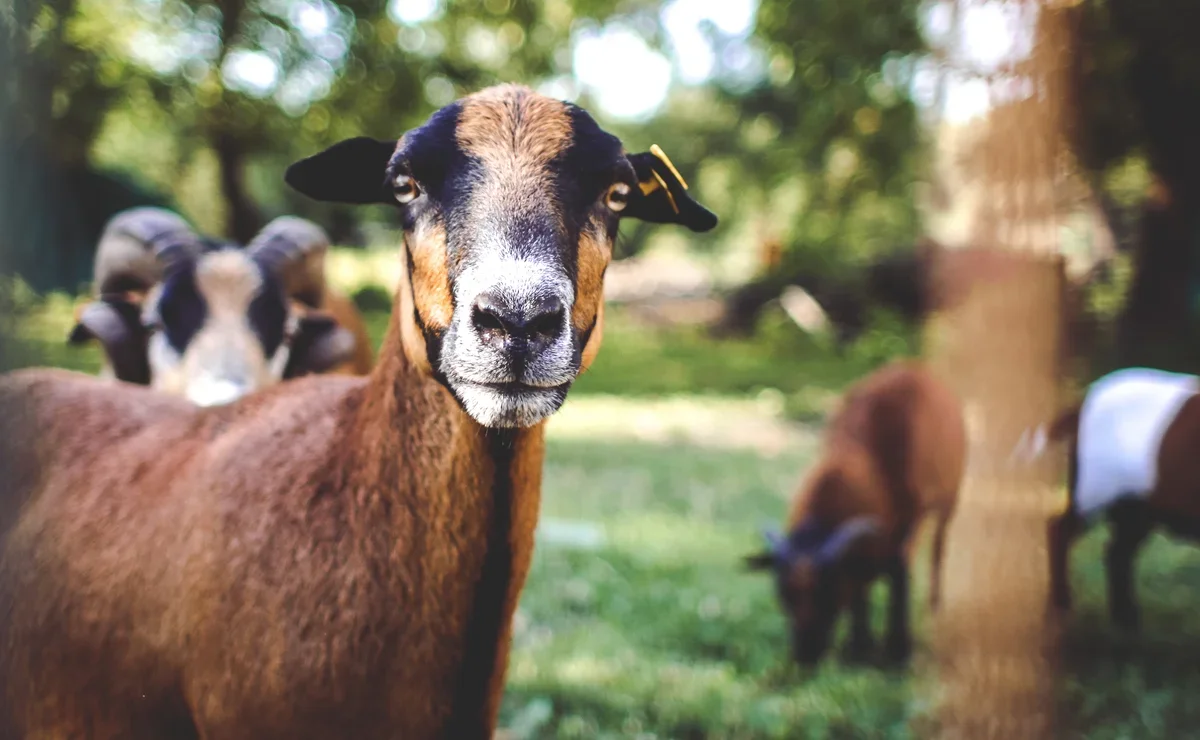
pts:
pixel 834 138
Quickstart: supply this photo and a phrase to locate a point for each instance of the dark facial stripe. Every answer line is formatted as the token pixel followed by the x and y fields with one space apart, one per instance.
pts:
pixel 590 165
pixel 268 312
pixel 182 311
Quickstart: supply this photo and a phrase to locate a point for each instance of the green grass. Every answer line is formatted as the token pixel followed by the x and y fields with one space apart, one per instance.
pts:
pixel 637 621
pixel 656 631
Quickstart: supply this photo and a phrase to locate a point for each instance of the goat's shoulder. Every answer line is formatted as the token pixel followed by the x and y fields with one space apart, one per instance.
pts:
pixel 277 437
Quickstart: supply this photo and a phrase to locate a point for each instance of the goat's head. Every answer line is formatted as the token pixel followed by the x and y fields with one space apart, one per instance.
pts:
pixel 510 203
pixel 200 319
pixel 814 578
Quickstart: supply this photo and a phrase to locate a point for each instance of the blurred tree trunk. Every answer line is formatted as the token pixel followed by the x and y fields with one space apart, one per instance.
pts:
pixel 1156 323
pixel 1158 82
pixel 994 656
pixel 242 218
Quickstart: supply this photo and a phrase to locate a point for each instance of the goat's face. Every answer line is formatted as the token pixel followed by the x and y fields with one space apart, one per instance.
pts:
pixel 217 327
pixel 510 203
pixel 814 579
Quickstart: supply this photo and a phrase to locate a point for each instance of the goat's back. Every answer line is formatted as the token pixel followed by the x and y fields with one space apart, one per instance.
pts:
pixel 143 535
pixel 910 424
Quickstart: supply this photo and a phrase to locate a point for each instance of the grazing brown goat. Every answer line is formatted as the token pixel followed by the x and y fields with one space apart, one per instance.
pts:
pixel 199 318
pixel 332 557
pixel 301 246
pixel 1133 457
pixel 892 454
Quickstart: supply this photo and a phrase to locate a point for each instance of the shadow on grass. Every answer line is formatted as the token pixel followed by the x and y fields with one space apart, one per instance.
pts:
pixel 1134 686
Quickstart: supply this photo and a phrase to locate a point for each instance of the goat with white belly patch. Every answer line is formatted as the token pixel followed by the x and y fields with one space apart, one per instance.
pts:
pixel 1133 458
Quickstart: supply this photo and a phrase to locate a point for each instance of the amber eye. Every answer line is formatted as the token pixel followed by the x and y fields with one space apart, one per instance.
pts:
pixel 618 197
pixel 405 189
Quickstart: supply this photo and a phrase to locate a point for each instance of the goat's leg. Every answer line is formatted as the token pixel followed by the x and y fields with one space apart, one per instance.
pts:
pixel 1131 524
pixel 1060 535
pixel 862 645
pixel 899 640
pixel 935 560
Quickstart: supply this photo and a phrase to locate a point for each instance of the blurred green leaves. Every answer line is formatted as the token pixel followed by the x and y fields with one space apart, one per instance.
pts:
pixel 802 131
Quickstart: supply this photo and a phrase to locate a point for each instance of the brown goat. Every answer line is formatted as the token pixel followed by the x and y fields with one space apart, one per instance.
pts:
pixel 893 453
pixel 1133 457
pixel 331 557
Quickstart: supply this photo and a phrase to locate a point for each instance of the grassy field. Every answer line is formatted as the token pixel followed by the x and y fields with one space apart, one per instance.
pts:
pixel 637 621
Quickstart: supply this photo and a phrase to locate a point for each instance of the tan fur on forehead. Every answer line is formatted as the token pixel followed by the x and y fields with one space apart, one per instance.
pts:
pixel 228 281
pixel 513 126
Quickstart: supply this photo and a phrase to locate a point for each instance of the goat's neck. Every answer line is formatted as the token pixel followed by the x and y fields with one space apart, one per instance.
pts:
pixel 463 501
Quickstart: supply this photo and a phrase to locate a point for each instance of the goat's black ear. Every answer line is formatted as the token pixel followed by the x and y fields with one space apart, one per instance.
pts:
pixel 759 561
pixel 319 344
pixel 662 195
pixel 117 325
pixel 351 171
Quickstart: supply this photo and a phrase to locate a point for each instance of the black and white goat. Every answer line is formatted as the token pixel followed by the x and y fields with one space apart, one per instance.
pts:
pixel 196 317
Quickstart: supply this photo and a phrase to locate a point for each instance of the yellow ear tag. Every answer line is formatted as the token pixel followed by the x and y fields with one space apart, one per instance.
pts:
pixel 663 184
pixel 657 151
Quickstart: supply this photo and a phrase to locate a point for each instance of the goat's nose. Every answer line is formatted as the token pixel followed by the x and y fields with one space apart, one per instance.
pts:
pixel 500 322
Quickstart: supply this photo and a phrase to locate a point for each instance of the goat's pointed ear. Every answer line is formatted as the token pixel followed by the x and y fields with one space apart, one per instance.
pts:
pixel 117 325
pixel 759 561
pixel 319 344
pixel 351 171
pixel 662 195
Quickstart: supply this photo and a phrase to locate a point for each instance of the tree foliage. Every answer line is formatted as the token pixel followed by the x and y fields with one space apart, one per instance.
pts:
pixel 804 135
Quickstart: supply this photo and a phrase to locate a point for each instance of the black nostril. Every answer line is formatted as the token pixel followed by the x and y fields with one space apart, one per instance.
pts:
pixel 488 318
pixel 548 321
pixel 497 320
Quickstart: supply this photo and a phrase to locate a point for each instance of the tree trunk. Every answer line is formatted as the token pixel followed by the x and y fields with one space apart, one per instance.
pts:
pixel 1155 329
pixel 994 655
pixel 1157 324
pixel 242 219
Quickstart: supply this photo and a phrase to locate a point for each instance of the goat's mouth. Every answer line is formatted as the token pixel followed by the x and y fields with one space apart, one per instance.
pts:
pixel 510 404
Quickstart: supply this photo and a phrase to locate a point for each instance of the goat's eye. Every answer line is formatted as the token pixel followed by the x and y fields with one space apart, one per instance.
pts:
pixel 405 189
pixel 618 197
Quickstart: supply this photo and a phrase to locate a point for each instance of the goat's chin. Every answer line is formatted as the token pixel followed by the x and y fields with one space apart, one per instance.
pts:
pixel 509 405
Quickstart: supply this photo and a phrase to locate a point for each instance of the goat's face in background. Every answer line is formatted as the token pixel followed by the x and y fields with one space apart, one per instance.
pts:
pixel 216 327
pixel 814 579
pixel 510 203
